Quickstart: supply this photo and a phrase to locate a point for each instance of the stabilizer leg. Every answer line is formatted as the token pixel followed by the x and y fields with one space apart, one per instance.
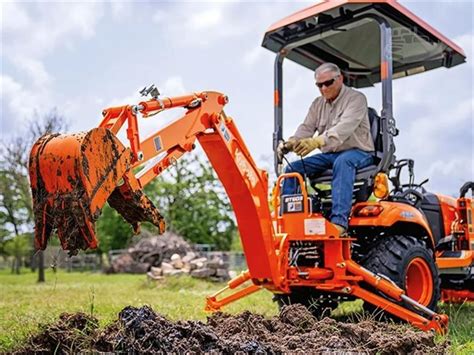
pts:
pixel 213 304
pixel 432 321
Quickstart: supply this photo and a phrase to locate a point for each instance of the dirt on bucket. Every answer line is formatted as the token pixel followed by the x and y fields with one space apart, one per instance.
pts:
pixel 141 330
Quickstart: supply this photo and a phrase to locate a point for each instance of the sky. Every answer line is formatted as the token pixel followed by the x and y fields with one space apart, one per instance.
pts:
pixel 81 57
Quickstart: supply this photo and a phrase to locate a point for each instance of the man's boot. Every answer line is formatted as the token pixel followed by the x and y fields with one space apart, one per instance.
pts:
pixel 342 230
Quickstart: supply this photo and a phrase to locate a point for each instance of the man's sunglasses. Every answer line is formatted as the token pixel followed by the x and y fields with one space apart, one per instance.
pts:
pixel 326 83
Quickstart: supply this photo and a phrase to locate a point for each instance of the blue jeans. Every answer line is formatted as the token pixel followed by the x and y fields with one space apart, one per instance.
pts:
pixel 344 165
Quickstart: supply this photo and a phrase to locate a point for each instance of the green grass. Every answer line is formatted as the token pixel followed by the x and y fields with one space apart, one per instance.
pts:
pixel 24 303
pixel 461 326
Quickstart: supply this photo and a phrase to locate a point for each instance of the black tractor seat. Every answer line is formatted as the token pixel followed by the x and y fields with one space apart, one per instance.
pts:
pixel 363 173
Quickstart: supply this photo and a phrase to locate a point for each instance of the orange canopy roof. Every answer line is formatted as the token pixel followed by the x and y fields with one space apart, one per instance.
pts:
pixel 336 35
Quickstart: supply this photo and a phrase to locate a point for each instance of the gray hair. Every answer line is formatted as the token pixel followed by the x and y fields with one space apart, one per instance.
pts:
pixel 325 67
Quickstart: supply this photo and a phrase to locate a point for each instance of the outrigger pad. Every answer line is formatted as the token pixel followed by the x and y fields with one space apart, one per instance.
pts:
pixel 71 177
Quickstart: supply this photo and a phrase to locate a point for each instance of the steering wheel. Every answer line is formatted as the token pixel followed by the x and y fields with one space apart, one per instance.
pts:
pixel 412 196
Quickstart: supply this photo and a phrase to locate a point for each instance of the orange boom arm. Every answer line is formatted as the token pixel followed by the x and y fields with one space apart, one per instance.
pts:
pixel 73 176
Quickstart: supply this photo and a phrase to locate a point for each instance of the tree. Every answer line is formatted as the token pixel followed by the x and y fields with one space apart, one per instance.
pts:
pixel 13 215
pixel 16 208
pixel 18 247
pixel 112 230
pixel 194 203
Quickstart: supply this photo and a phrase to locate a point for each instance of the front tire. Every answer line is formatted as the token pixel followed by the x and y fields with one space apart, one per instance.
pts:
pixel 410 264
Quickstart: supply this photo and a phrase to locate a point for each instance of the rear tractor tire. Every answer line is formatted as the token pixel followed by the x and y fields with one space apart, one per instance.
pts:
pixel 410 264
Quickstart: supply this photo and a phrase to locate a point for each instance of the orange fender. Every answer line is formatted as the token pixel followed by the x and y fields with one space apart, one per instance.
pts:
pixel 387 214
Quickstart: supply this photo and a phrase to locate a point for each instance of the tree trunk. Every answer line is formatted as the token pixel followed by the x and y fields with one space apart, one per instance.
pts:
pixel 17 264
pixel 40 259
pixel 101 261
pixel 33 262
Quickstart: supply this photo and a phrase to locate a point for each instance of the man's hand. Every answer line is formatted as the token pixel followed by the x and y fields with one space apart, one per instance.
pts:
pixel 285 147
pixel 306 145
pixel 290 144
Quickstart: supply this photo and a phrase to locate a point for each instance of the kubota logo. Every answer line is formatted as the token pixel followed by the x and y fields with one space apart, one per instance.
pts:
pixel 245 167
pixel 406 214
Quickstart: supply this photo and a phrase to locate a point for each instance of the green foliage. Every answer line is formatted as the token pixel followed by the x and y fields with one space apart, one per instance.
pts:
pixel 112 230
pixel 236 244
pixel 14 212
pixel 18 246
pixel 194 203
pixel 461 326
pixel 14 217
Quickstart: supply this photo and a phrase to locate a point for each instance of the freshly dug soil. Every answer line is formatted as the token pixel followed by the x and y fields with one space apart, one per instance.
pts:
pixel 141 330
pixel 69 334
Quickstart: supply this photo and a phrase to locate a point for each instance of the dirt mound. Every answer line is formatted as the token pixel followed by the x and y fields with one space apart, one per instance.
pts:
pixel 69 334
pixel 142 330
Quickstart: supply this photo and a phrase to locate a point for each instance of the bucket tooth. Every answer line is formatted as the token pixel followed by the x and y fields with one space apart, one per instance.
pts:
pixel 134 206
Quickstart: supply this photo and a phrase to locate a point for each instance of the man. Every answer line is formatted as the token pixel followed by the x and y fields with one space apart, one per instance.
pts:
pixel 340 117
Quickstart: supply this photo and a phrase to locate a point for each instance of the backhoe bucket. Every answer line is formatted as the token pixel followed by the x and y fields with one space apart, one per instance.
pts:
pixel 72 176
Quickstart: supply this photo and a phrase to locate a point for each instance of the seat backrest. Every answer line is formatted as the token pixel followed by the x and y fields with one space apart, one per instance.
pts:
pixel 376 132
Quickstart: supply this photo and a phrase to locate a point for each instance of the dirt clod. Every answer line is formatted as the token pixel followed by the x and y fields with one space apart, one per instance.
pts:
pixel 141 330
pixel 72 332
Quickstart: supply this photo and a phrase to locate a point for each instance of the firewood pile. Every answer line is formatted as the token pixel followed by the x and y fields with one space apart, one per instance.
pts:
pixel 170 255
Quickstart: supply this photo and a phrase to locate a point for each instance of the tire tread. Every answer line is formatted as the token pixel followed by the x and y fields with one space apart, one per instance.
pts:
pixel 385 259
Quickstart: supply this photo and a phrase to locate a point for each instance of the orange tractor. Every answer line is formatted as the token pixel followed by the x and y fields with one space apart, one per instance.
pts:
pixel 406 249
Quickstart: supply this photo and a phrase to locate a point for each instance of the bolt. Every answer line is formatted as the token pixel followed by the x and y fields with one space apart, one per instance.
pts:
pixel 346 290
pixel 223 99
pixel 341 265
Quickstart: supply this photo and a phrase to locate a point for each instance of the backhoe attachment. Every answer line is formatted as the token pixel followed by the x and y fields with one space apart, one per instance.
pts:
pixel 72 176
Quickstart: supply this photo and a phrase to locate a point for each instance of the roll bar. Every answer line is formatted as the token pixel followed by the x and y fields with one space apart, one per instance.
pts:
pixel 387 121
